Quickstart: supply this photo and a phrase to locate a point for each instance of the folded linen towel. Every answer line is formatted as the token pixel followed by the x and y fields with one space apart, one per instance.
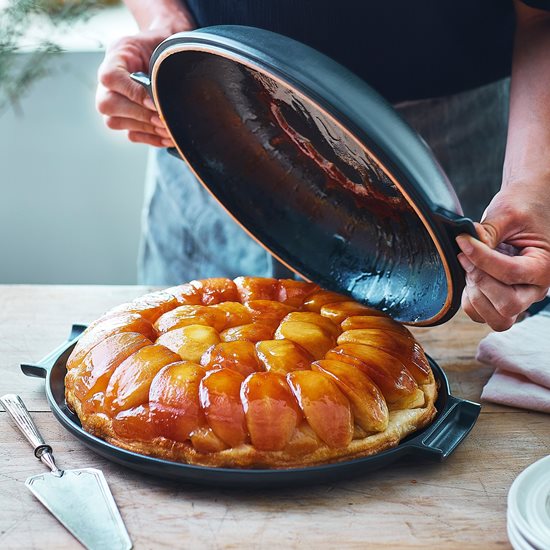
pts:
pixel 521 357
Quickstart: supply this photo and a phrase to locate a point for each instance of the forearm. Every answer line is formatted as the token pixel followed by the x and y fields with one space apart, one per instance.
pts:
pixel 170 15
pixel 528 144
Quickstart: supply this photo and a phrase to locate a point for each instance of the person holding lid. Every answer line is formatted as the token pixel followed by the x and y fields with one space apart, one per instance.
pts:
pixel 473 78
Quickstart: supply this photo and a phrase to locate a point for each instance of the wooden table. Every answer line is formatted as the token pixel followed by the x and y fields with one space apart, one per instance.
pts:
pixel 458 503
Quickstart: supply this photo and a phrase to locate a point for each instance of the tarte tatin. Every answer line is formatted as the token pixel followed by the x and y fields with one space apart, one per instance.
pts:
pixel 250 373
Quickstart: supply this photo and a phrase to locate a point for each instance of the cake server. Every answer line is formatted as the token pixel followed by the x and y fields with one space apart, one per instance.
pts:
pixel 79 499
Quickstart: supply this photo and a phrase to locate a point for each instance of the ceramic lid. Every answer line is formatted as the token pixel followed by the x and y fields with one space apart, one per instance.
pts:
pixel 316 166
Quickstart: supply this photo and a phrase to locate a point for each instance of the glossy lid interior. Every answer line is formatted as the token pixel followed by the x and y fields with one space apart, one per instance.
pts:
pixel 301 183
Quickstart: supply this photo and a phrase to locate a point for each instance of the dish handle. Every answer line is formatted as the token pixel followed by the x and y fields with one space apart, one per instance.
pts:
pixel 444 435
pixel 40 369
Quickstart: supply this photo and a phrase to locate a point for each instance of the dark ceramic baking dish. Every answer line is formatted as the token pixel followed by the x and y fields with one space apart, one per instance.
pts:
pixel 315 165
pixel 455 418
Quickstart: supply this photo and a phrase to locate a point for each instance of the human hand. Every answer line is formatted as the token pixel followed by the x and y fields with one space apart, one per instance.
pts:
pixel 125 104
pixel 508 269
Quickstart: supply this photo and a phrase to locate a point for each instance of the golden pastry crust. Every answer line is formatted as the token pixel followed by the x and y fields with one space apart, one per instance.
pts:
pixel 251 373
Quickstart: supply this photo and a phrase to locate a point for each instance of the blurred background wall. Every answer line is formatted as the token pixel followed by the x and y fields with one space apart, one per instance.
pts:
pixel 70 189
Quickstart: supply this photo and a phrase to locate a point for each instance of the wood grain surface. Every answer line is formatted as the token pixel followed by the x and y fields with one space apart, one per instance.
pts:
pixel 458 503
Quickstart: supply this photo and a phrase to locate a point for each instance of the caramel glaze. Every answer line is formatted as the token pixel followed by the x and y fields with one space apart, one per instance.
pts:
pixel 216 366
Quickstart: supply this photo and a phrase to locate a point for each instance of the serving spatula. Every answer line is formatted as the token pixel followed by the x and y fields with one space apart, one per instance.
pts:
pixel 79 499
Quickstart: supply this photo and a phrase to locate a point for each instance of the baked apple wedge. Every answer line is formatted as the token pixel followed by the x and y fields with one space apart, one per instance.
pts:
pixel 374 322
pixel 135 424
pixel 367 402
pixel 283 356
pixel 252 332
pixel 293 292
pixel 268 311
pixel 220 397
pixel 129 384
pixel 390 375
pixel 314 339
pixel 403 347
pixel 322 297
pixel 325 407
pixel 239 356
pixel 174 400
pixel 342 310
pixel 316 319
pixel 190 342
pixel 216 290
pixel 183 316
pixel 99 364
pixel 271 410
pixel 257 288
pixel 105 327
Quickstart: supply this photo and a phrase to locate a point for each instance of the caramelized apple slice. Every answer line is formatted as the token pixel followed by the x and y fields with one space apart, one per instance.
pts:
pixel 283 356
pixel 310 317
pixel 105 327
pixel 235 314
pixel 293 292
pixel 221 401
pixel 253 332
pixel 216 290
pixel 270 409
pixel 93 405
pixel 257 288
pixel 325 407
pixel 238 356
pixel 370 322
pixel 387 372
pixel 339 311
pixel 186 294
pixel 322 297
pixel 404 348
pixel 100 363
pixel 174 400
pixel 413 401
pixel 303 441
pixel 190 342
pixel 204 440
pixel 268 311
pixel 367 402
pixel 419 365
pixel 183 316
pixel 311 337
pixel 129 384
pixel 151 306
pixel 135 424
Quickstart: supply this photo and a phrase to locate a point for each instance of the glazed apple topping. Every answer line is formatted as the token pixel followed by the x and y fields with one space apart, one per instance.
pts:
pixel 283 356
pixel 239 356
pixel 220 397
pixel 271 410
pixel 174 400
pixel 274 364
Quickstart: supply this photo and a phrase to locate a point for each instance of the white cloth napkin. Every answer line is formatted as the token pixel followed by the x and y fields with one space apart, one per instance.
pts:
pixel 521 357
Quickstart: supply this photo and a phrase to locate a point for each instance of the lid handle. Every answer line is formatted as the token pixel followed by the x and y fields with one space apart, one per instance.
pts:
pixel 455 225
pixel 144 80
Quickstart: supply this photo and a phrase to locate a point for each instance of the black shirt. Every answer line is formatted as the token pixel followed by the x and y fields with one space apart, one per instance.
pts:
pixel 405 49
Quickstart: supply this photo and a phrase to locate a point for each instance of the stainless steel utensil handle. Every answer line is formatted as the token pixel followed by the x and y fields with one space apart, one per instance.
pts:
pixel 16 409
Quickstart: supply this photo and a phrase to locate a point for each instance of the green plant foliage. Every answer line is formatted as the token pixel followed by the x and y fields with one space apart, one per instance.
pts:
pixel 18 73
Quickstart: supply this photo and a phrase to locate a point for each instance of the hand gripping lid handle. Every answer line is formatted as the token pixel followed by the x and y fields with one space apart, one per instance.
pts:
pixel 144 80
